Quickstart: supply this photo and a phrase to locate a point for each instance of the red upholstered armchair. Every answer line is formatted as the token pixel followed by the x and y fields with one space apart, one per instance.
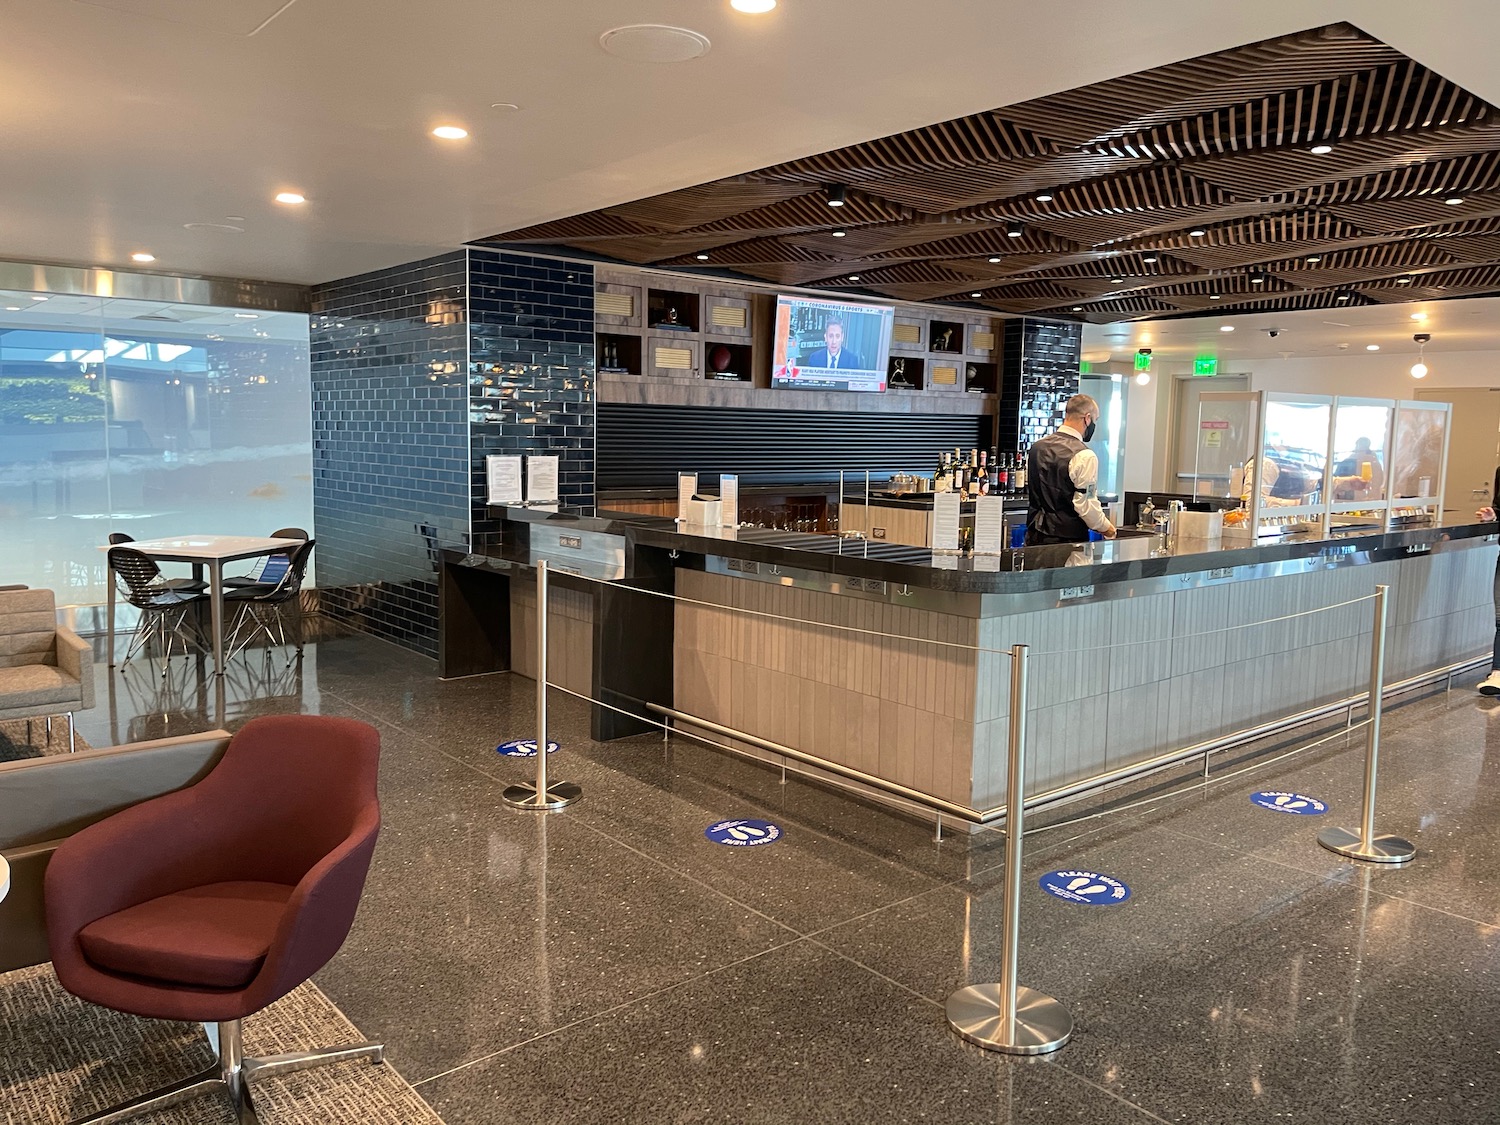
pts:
pixel 210 903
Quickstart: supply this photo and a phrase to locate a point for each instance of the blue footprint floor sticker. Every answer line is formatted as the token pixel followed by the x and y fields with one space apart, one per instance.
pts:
pixel 743 833
pixel 1087 887
pixel 1297 804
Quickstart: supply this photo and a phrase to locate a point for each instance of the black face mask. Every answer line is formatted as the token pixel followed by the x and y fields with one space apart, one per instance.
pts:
pixel 1088 431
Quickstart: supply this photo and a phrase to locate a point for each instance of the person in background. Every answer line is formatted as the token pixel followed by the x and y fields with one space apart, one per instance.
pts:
pixel 1063 476
pixel 1490 685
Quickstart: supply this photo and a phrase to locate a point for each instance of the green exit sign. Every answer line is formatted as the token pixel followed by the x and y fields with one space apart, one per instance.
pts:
pixel 1206 365
pixel 1142 360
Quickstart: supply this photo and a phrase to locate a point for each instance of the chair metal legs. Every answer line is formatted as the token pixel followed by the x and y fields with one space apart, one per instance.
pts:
pixel 231 1073
pixel 165 624
pixel 261 619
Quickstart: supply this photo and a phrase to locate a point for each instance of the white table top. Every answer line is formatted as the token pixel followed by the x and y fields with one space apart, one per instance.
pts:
pixel 206 547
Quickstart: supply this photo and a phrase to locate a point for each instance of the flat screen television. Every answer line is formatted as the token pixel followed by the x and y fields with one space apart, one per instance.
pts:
pixel 830 345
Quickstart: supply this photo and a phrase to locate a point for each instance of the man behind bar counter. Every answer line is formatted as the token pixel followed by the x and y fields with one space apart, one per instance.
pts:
pixel 1062 476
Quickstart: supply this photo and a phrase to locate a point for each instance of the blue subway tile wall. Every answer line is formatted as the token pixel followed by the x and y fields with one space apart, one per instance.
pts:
pixel 1039 373
pixel 390 413
pixel 531 372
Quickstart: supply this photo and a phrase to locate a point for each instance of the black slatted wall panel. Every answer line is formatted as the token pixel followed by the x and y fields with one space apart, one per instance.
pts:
pixel 646 446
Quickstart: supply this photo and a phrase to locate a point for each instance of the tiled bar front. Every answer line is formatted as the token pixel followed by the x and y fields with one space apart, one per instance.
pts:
pixel 1113 681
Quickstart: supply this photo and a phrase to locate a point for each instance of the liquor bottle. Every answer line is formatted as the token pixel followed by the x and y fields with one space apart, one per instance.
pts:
pixel 974 479
pixel 1022 474
pixel 1003 478
pixel 994 473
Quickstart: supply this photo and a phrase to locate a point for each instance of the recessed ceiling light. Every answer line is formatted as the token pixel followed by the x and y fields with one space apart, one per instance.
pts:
pixel 36 298
pixel 1454 200
pixel 1320 150
pixel 994 259
pixel 1197 232
pixel 12 308
pixel 854 277
pixel 1044 197
pixel 296 197
pixel 247 316
pixel 142 256
pixel 1149 259
pixel 1419 316
pixel 976 294
pixel 1313 258
pixel 1215 297
pixel 836 195
pixel 1015 230
pixel 752 7
pixel 701 257
pixel 1258 279
pixel 450 132
pixel 1226 328
pixel 1403 281
pixel 1372 347
pixel 505 106
pixel 840 234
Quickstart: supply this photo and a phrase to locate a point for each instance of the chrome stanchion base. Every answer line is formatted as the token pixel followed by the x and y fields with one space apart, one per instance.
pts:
pixel 1041 1024
pixel 1383 849
pixel 558 796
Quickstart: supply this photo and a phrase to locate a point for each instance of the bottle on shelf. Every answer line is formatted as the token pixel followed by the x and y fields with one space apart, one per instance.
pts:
pixel 1019 477
pixel 1002 478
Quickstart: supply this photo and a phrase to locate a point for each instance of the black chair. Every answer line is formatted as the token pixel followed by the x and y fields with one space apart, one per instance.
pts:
pixel 272 566
pixel 259 607
pixel 164 611
pixel 183 585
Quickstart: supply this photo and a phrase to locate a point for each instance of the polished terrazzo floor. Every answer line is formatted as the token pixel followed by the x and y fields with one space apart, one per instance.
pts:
pixel 609 964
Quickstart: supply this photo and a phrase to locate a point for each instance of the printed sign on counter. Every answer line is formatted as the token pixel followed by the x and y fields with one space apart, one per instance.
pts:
pixel 687 485
pixel 946 507
pixel 541 480
pixel 729 500
pixel 502 477
pixel 989 525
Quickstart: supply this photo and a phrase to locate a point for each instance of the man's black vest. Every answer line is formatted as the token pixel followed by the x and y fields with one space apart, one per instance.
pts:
pixel 1050 490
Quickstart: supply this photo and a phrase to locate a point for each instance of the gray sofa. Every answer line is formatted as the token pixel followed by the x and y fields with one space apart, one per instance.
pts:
pixel 45 800
pixel 44 670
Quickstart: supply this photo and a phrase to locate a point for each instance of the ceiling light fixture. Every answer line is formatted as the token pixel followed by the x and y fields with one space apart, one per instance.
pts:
pixel 1320 150
pixel 1372 347
pixel 142 256
pixel 1257 279
pixel 752 7
pixel 506 107
pixel 1117 281
pixel 1226 328
pixel 1044 197
pixel 835 195
pixel 1403 281
pixel 701 257
pixel 854 277
pixel 1149 259
pixel 1142 378
pixel 1454 200
pixel 1077 308
pixel 247 316
pixel 1197 232
pixel 290 197
pixel 12 308
pixel 1216 296
pixel 1419 316
pixel 1344 296
pixel 450 132
pixel 1313 258
pixel 1419 369
pixel 976 294
pixel 38 298
pixel 840 234
pixel 1015 230
pixel 995 258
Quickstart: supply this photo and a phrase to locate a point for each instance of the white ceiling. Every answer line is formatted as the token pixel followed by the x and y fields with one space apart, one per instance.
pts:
pixel 146 319
pixel 122 120
pixel 1455 326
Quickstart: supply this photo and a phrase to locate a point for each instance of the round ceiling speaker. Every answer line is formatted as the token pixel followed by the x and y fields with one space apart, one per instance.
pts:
pixel 216 228
pixel 654 43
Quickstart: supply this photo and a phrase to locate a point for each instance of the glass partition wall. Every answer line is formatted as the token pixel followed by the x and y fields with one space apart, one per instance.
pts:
pixel 147 418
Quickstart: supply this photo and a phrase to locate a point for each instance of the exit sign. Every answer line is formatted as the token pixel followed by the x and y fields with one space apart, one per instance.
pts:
pixel 1142 360
pixel 1206 365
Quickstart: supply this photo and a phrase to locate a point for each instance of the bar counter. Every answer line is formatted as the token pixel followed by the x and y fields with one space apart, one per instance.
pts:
pixel 890 659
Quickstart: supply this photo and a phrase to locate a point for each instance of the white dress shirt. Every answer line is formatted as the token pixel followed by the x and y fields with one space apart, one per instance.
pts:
pixel 1083 471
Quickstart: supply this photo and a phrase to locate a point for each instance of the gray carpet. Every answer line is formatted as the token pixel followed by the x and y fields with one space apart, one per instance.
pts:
pixel 16 743
pixel 63 1058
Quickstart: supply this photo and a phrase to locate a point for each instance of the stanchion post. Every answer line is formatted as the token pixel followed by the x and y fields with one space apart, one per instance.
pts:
pixel 1364 844
pixel 541 796
pixel 1008 1016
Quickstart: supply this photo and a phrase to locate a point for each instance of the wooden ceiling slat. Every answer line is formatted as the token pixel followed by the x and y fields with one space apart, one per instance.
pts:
pixel 1132 165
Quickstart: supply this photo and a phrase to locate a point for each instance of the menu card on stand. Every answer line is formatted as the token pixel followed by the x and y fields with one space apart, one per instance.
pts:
pixel 729 500
pixel 502 479
pixel 541 480
pixel 945 511
pixel 687 485
pixel 989 525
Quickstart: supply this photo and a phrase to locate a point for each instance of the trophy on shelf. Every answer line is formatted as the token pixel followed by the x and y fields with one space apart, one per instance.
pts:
pixel 944 341
pixel 671 322
pixel 898 373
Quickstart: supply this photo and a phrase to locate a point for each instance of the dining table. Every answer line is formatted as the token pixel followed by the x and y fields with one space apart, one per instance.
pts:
pixel 203 552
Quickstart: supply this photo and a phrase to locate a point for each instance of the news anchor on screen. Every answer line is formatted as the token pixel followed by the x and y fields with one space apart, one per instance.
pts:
pixel 833 353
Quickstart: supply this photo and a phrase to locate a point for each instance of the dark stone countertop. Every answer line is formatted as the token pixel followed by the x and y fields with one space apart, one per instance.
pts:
pixel 1027 570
